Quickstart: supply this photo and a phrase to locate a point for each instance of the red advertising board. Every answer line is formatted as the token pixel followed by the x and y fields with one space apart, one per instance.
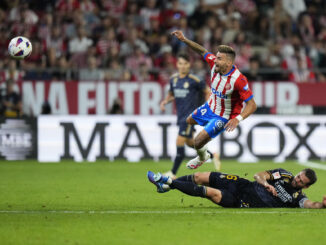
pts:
pixel 73 97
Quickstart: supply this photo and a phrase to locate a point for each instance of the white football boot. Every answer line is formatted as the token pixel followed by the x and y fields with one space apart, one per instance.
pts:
pixel 196 162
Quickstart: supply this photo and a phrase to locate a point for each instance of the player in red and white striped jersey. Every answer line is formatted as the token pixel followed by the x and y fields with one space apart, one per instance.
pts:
pixel 223 110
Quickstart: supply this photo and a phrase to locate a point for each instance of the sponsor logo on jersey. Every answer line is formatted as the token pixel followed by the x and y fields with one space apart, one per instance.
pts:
pixel 282 193
pixel 219 94
pixel 276 175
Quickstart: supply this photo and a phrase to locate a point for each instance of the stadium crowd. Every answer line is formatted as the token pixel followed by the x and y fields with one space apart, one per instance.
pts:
pixel 129 40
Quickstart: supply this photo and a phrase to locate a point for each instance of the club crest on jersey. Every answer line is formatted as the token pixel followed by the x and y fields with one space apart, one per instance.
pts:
pixel 295 195
pixel 186 85
pixel 227 86
pixel 219 94
pixel 246 87
pixel 219 124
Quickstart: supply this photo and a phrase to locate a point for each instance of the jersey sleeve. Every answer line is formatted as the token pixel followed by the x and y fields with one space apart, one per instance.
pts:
pixel 243 88
pixel 171 86
pixel 210 58
pixel 201 85
pixel 299 199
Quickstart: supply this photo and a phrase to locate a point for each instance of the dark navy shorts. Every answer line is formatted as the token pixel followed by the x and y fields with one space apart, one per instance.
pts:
pixel 229 185
pixel 186 130
pixel 214 124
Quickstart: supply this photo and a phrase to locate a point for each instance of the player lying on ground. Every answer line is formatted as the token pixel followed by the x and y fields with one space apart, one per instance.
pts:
pixel 222 111
pixel 273 188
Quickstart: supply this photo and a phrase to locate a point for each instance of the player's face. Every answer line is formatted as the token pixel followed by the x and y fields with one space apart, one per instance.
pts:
pixel 300 180
pixel 223 63
pixel 183 66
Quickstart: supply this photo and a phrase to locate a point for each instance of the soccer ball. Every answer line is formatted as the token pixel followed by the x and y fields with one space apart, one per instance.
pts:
pixel 20 48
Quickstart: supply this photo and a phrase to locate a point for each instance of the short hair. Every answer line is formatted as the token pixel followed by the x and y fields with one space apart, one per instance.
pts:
pixel 229 51
pixel 311 175
pixel 184 56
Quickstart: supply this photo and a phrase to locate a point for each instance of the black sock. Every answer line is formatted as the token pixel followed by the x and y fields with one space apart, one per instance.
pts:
pixel 187 178
pixel 210 153
pixel 178 159
pixel 189 188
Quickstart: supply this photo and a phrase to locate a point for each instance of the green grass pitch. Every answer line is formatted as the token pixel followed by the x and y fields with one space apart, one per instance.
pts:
pixel 113 203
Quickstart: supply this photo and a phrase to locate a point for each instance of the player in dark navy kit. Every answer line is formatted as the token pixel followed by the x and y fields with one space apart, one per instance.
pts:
pixel 275 188
pixel 186 90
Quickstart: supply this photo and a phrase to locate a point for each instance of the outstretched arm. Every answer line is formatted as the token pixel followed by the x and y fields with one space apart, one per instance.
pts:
pixel 311 204
pixel 247 111
pixel 262 178
pixel 193 45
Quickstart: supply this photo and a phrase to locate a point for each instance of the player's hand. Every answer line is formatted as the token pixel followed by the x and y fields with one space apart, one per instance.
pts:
pixel 179 34
pixel 324 201
pixel 162 105
pixel 231 125
pixel 271 189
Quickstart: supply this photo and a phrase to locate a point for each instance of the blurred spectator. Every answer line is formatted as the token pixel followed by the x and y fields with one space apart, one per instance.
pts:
pixel 200 15
pixel 114 8
pixel 61 69
pixel 81 43
pixel 253 72
pixel 11 72
pixel 91 73
pixel 107 41
pixel 294 7
pixel 132 41
pixel 148 12
pixel 142 74
pixel 306 30
pixel 134 61
pixel 11 101
pixel 65 33
pixel 301 73
pixel 171 16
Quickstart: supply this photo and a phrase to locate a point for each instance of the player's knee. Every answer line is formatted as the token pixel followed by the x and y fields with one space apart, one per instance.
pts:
pixel 197 178
pixel 201 178
pixel 189 119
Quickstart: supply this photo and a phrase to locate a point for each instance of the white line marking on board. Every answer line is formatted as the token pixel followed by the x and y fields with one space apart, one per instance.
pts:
pixel 152 212
pixel 313 165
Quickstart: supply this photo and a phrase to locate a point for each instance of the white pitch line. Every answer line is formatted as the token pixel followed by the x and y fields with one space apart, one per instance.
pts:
pixel 151 212
pixel 313 165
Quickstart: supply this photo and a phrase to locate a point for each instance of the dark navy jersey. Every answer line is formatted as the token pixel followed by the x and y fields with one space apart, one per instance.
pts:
pixel 287 196
pixel 239 192
pixel 187 92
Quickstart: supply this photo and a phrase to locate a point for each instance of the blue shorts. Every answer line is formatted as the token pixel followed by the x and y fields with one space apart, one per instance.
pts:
pixel 214 124
pixel 186 130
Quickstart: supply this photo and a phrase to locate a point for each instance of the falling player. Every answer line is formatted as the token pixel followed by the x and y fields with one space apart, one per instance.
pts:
pixel 275 188
pixel 222 111
pixel 186 90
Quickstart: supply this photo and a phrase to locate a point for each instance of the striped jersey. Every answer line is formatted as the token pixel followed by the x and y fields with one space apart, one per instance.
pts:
pixel 227 91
